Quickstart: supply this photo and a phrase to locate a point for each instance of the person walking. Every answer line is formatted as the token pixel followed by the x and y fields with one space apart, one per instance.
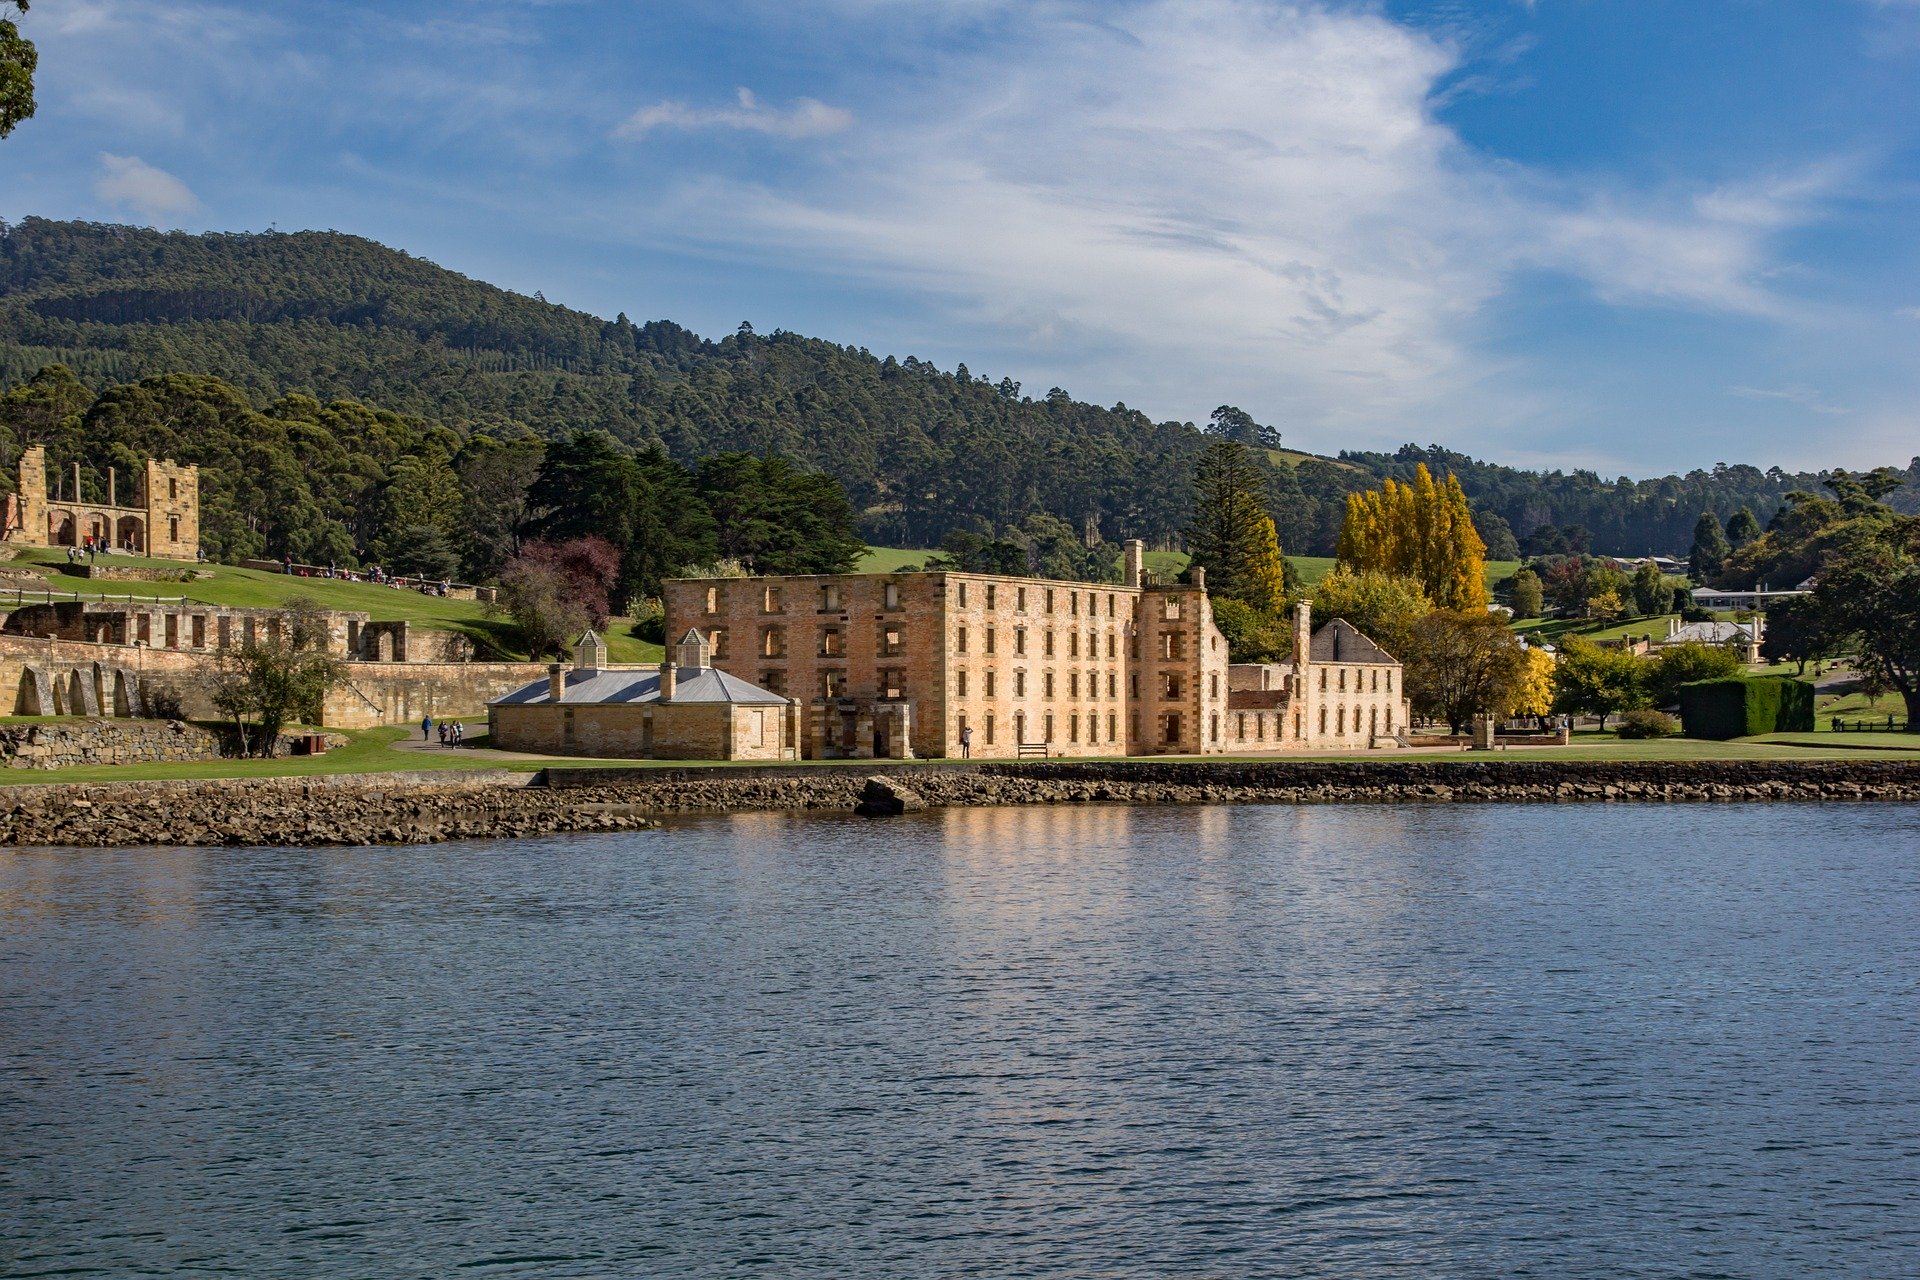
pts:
pixel 426 728
pixel 459 733
pixel 966 742
pixel 443 733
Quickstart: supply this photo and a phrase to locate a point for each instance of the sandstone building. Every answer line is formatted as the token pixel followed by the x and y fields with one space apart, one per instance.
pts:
pixel 683 710
pixel 901 665
pixel 164 519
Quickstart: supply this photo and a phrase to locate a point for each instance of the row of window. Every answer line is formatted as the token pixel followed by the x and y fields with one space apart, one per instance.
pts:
pixel 829 598
pixel 1360 680
pixel 1075 723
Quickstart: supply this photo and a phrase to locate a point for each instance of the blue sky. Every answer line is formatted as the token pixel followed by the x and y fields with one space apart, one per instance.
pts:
pixel 1637 235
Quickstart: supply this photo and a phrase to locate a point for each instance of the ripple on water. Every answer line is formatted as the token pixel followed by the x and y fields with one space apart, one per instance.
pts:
pixel 1431 1041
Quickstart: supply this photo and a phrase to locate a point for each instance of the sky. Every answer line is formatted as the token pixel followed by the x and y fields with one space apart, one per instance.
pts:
pixel 1639 236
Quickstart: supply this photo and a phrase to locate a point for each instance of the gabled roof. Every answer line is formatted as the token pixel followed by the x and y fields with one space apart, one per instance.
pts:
pixel 1341 641
pixel 693 636
pixel 1709 633
pixel 603 687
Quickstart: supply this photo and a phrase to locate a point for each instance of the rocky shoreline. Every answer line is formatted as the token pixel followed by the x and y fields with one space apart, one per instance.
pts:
pixel 410 808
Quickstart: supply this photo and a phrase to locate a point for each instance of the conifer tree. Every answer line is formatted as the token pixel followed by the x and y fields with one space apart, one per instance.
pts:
pixel 1710 548
pixel 1232 537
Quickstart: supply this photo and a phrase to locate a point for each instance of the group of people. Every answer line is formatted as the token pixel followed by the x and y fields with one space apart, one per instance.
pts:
pixel 452 732
pixel 373 573
pixel 91 547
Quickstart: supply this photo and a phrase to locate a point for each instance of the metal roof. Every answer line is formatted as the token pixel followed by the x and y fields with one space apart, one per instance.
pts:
pixel 703 684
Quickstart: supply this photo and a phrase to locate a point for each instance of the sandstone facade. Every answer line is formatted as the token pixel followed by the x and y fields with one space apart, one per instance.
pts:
pixel 163 520
pixel 903 665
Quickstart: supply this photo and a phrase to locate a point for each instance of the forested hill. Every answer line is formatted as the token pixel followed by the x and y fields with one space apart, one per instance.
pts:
pixel 334 315
pixel 920 451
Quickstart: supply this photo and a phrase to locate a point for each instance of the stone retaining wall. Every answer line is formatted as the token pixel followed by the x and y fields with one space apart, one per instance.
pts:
pixel 392 808
pixel 58 744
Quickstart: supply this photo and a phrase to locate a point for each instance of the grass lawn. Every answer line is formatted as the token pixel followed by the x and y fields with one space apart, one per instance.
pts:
pixel 370 752
pixel 255 588
pixel 1553 629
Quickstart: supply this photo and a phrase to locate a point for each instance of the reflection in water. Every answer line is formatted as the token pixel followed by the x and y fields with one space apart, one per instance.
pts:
pixel 1085 1040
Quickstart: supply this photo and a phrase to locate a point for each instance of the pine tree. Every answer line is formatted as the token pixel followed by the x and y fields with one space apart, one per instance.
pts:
pixel 1232 537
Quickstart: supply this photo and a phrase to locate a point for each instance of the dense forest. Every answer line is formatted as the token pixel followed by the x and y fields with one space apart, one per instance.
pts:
pixel 306 330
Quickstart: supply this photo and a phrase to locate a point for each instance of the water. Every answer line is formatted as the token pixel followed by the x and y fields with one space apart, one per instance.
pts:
pixel 1254 1041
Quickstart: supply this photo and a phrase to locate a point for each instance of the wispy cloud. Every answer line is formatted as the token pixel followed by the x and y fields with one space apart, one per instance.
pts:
pixel 135 184
pixel 806 118
pixel 1806 397
pixel 1202 199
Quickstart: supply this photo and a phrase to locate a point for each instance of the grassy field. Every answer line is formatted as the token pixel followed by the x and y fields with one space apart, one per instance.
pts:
pixel 255 588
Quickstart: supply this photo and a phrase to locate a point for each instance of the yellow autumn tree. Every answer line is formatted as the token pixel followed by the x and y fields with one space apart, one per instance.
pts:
pixel 1533 693
pixel 1264 585
pixel 1423 531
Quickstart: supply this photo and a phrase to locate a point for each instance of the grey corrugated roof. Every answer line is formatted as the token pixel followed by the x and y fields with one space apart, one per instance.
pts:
pixel 702 685
pixel 1341 641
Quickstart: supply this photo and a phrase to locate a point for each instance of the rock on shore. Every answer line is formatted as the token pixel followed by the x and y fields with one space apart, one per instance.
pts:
pixel 424 807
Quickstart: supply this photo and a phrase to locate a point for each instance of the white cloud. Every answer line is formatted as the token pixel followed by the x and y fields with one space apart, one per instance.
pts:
pixel 806 118
pixel 131 181
pixel 1908 313
pixel 1804 396
pixel 1194 200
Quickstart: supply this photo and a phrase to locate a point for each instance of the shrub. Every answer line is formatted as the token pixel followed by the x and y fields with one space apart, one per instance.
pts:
pixel 1645 722
pixel 1740 708
pixel 164 700
pixel 650 621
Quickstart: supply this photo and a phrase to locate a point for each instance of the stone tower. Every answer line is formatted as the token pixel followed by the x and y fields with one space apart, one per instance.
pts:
pixel 173 510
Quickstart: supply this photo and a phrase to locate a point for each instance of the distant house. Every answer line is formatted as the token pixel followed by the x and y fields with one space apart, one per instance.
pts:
pixel 684 709
pixel 1744 636
pixel 1713 598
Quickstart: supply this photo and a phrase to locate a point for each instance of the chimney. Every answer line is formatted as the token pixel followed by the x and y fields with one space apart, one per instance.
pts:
pixel 667 680
pixel 1135 552
pixel 1302 635
pixel 1199 575
pixel 556 682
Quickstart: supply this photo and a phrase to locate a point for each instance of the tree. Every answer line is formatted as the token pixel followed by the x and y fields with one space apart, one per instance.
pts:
pixel 1596 681
pixel 1231 535
pixel 1796 632
pixel 1680 664
pixel 1251 636
pixel 1710 549
pixel 1238 425
pixel 18 61
pixel 1742 528
pixel 1525 594
pixel 1423 531
pixel 1532 694
pixel 775 518
pixel 1606 606
pixel 1651 594
pixel 1385 608
pixel 421 551
pixel 281 676
pixel 1461 664
pixel 540 598
pixel 1869 599
pixel 495 478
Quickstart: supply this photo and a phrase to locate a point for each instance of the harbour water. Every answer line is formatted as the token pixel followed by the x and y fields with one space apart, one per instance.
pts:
pixel 1560 1041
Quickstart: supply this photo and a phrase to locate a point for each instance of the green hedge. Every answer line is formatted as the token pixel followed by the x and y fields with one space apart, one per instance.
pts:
pixel 1743 706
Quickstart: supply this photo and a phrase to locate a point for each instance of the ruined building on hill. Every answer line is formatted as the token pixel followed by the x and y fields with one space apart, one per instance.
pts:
pixel 162 519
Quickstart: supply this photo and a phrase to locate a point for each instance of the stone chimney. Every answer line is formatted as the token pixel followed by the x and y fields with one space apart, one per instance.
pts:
pixel 1302 635
pixel 1135 552
pixel 668 680
pixel 556 682
pixel 1199 575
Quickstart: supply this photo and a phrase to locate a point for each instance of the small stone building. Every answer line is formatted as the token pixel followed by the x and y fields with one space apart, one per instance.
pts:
pixel 683 710
pixel 1341 691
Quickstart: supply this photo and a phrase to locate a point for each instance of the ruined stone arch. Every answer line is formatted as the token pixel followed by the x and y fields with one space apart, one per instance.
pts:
pixel 62 531
pixel 131 533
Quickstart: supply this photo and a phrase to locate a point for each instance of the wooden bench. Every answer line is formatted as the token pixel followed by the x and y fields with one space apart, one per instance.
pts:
pixel 1033 749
